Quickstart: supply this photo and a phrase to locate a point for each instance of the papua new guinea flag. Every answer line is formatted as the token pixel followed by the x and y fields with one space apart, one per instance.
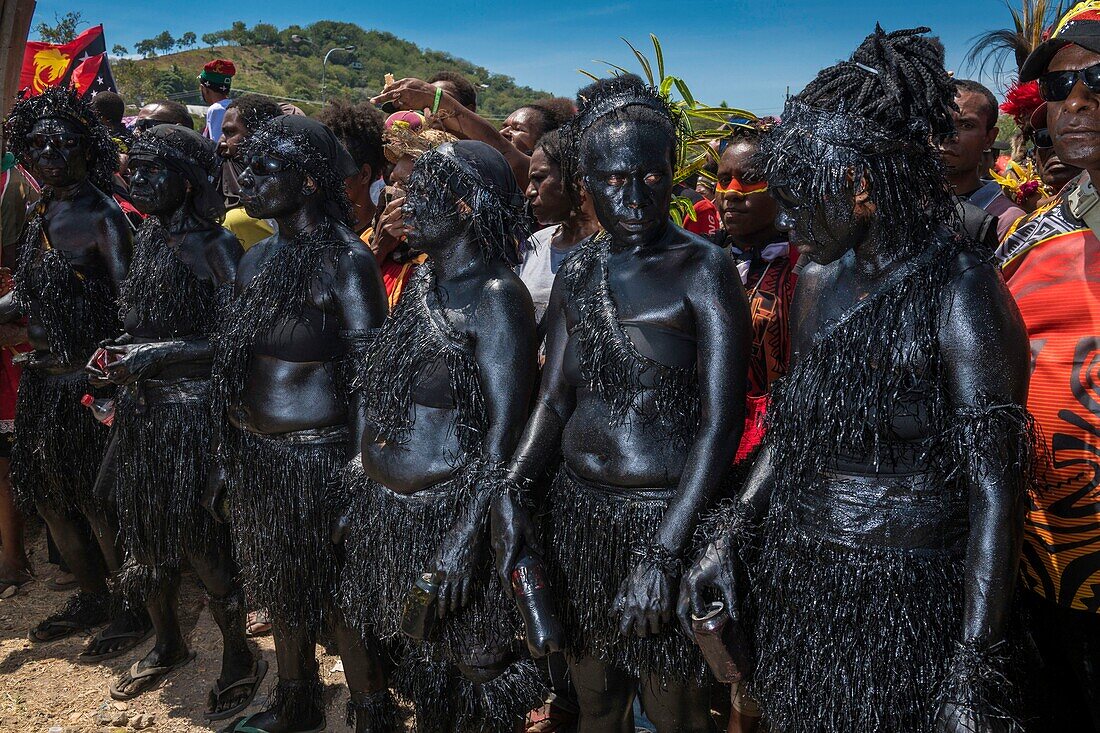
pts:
pixel 50 64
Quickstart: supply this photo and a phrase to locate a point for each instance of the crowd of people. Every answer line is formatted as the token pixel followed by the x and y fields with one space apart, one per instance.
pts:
pixel 466 403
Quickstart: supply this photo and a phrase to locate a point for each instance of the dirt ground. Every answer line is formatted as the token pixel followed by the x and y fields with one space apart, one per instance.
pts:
pixel 41 686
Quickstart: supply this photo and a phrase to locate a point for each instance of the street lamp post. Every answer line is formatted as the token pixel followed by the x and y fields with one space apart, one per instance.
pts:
pixel 324 67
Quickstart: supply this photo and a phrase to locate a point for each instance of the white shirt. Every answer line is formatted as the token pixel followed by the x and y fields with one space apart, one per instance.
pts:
pixel 541 261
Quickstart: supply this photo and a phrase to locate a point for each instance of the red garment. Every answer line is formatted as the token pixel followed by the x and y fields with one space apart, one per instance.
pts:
pixel 707 220
pixel 395 275
pixel 1052 267
pixel 770 294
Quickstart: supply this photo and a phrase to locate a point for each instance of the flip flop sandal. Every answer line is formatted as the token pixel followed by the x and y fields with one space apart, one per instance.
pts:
pixel 259 671
pixel 259 624
pixel 146 679
pixel 242 725
pixel 137 637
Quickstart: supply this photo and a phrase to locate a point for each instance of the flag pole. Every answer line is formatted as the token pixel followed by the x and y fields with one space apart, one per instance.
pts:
pixel 15 24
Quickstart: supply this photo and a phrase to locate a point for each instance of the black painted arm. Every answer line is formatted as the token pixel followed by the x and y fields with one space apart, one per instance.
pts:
pixel 723 335
pixel 986 356
pixel 361 305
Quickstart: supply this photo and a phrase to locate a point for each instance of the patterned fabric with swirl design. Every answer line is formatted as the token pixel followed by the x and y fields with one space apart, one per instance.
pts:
pixel 1051 261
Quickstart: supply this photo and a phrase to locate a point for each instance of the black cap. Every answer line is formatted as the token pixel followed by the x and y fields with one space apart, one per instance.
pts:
pixel 1081 25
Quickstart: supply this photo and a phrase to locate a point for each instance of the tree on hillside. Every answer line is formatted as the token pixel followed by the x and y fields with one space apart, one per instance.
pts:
pixel 119 50
pixel 187 40
pixel 264 34
pixel 237 33
pixel 212 39
pixel 164 41
pixel 147 48
pixel 64 28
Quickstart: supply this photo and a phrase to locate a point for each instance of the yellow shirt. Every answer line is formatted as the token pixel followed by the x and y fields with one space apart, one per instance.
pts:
pixel 245 228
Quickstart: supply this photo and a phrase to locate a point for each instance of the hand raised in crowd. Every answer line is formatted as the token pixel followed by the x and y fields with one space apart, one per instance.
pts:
pixel 408 93
pixel 644 602
pixel 390 231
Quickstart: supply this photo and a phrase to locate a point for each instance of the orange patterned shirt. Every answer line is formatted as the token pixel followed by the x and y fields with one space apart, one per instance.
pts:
pixel 1052 266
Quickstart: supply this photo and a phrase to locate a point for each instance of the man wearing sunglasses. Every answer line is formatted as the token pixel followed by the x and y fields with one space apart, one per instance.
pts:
pixel 1054 172
pixel 1052 264
pixel 964 152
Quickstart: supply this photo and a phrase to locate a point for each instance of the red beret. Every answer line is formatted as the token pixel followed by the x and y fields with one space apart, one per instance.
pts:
pixel 224 67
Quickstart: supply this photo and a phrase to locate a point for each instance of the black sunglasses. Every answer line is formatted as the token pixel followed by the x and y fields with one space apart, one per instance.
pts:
pixel 1042 138
pixel 1055 86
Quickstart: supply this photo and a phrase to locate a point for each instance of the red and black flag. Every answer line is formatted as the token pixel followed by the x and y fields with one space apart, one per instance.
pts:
pixel 50 64
pixel 93 76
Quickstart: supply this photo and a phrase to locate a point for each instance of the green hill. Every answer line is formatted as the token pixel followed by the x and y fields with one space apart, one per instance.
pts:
pixel 279 63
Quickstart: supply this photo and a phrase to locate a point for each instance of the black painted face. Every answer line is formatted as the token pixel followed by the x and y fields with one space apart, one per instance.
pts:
pixel 155 188
pixel 270 188
pixel 824 231
pixel 58 152
pixel 628 173
pixel 433 214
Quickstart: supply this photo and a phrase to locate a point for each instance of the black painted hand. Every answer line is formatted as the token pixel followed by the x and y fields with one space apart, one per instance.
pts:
pixel 213 496
pixel 712 569
pixel 512 530
pixel 454 565
pixel 644 602
pixel 131 362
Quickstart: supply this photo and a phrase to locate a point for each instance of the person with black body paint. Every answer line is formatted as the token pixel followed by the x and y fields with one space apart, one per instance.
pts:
pixel 642 396
pixel 872 554
pixel 306 300
pixel 158 460
pixel 447 385
pixel 75 253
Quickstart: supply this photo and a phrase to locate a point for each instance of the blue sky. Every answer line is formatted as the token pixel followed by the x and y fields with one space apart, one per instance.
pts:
pixel 746 53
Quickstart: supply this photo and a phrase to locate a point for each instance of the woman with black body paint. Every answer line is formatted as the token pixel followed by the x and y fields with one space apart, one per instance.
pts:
pixel 447 384
pixel 75 254
pixel 872 553
pixel 305 299
pixel 157 464
pixel 642 393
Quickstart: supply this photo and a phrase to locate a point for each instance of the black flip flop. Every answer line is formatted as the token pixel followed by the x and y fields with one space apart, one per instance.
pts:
pixel 137 637
pixel 259 671
pixel 147 678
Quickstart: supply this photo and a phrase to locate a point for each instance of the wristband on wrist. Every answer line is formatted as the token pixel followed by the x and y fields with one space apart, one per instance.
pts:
pixel 660 557
pixel 438 97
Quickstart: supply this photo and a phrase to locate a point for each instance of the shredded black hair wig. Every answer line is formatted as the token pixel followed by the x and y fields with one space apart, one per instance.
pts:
pixel 255 109
pixel 298 151
pixel 67 104
pixel 359 127
pixel 623 98
pixel 875 118
pixel 477 175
